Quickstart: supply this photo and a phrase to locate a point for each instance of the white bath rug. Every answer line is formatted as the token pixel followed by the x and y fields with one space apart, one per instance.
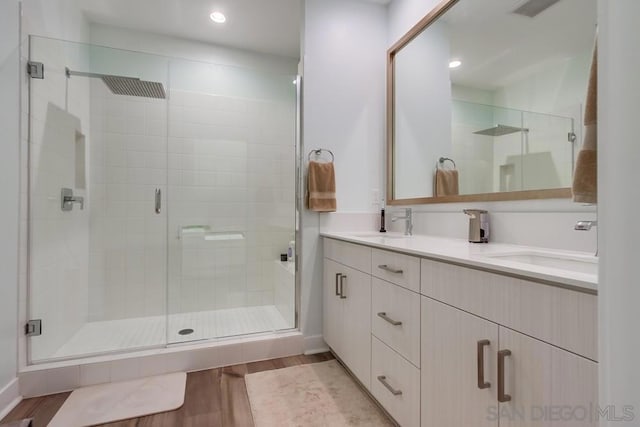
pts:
pixel 318 394
pixel 104 403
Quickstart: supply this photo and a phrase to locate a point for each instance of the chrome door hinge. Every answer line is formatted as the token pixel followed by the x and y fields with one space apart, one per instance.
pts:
pixel 33 328
pixel 35 69
pixel 571 136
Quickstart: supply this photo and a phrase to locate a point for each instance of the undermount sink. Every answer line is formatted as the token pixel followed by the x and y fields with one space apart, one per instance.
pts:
pixel 575 263
pixel 381 235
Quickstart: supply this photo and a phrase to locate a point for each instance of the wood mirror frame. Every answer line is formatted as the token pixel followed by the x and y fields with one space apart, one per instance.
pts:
pixel 437 12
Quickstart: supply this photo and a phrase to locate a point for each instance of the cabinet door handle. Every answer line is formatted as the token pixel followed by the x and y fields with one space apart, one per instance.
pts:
pixel 158 200
pixel 388 319
pixel 502 397
pixel 385 267
pixel 482 384
pixel 337 280
pixel 342 295
pixel 384 382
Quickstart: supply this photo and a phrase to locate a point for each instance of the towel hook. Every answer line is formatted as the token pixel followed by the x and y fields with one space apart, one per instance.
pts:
pixel 441 161
pixel 319 151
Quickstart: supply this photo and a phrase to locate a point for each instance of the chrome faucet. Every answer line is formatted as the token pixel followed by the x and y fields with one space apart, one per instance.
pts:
pixel 408 225
pixel 585 225
pixel 68 199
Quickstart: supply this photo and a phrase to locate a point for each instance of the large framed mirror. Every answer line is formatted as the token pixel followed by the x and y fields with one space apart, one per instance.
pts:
pixel 485 101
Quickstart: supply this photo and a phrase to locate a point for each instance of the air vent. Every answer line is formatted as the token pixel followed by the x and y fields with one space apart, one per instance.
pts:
pixel 534 7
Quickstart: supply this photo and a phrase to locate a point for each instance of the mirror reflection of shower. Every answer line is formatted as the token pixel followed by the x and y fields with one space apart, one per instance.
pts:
pixel 500 130
pixel 500 149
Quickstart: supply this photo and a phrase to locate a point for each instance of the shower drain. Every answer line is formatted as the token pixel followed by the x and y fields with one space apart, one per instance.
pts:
pixel 185 331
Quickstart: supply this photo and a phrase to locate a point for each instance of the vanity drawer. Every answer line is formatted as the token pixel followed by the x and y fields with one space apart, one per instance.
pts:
pixel 395 318
pixel 403 270
pixel 349 254
pixel 395 383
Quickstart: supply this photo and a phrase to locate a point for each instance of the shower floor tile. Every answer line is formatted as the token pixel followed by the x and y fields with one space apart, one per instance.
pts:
pixel 141 332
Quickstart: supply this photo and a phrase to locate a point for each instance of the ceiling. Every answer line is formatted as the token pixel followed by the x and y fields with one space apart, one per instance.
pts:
pixel 266 26
pixel 497 47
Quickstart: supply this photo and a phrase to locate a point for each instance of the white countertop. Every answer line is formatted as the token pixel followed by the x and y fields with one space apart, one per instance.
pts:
pixel 478 255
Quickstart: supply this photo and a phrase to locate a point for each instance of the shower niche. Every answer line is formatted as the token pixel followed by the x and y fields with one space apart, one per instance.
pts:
pixel 154 145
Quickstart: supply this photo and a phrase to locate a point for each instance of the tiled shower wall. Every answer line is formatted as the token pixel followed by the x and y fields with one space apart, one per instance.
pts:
pixel 230 163
pixel 128 247
pixel 231 168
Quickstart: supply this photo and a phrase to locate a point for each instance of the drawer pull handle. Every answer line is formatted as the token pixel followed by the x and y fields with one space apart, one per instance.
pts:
pixel 482 384
pixel 342 295
pixel 384 382
pixel 388 319
pixel 337 280
pixel 390 269
pixel 502 397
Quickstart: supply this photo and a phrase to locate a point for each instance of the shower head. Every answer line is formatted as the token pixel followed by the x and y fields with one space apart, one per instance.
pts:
pixel 532 8
pixel 120 85
pixel 500 130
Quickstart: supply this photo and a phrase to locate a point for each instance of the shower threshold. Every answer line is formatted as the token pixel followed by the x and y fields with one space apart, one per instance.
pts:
pixel 143 332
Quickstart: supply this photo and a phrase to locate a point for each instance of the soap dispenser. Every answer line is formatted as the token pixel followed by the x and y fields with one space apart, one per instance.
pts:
pixel 478 225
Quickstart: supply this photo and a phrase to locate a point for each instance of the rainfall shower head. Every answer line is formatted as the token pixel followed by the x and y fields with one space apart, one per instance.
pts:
pixel 500 130
pixel 532 8
pixel 120 85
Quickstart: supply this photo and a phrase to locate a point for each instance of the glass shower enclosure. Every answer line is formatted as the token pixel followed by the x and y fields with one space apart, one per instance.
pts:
pixel 161 195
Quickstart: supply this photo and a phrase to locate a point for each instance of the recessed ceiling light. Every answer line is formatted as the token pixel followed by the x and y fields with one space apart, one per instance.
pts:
pixel 218 17
pixel 455 63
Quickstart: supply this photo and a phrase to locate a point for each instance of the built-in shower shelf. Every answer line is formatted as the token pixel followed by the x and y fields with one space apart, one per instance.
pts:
pixel 194 229
pixel 224 236
pixel 203 231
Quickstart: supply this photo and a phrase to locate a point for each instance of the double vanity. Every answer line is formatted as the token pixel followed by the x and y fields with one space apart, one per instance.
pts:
pixel 443 332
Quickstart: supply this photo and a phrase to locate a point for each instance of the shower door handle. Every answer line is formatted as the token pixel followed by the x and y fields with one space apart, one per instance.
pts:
pixel 158 200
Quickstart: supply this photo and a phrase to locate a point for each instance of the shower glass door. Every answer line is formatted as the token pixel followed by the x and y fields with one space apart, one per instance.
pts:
pixel 161 194
pixel 97 240
pixel 232 157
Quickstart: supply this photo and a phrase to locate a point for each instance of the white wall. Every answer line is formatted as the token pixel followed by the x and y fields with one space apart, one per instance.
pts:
pixel 344 44
pixel 344 68
pixel 9 181
pixel 404 14
pixel 60 19
pixel 618 205
pixel 158 44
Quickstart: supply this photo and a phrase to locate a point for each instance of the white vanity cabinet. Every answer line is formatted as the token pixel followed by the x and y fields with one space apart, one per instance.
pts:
pixel 499 376
pixel 347 315
pixel 446 345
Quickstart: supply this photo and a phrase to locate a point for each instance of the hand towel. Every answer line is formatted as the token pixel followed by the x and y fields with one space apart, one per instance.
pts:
pixel 321 187
pixel 585 176
pixel 446 182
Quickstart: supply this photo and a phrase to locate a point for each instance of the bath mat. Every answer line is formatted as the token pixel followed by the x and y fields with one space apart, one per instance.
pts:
pixel 106 403
pixel 318 394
